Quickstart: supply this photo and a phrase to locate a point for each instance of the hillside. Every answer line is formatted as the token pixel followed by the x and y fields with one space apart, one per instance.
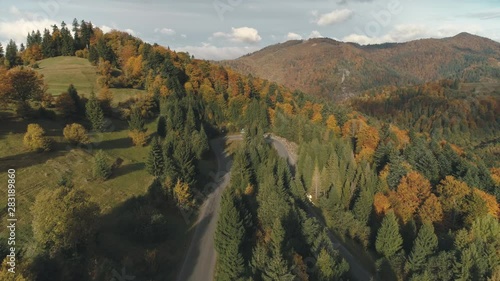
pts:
pixel 59 72
pixel 153 171
pixel 325 67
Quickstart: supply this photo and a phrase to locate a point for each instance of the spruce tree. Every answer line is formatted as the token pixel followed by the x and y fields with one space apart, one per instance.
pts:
pixel 95 114
pixel 155 164
pixel 161 127
pixel 11 58
pixel 389 240
pixel 425 245
pixel 229 235
pixel 73 93
pixel 136 122
pixel 102 170
pixel 183 160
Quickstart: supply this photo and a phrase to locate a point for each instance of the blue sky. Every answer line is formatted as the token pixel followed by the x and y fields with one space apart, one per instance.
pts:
pixel 225 29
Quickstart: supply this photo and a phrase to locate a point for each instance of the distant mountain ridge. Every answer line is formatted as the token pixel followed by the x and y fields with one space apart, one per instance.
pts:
pixel 326 67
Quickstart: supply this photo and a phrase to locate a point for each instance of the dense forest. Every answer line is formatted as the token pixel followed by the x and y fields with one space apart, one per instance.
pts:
pixel 400 172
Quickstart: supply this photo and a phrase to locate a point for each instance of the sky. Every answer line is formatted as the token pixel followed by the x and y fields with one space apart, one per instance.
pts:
pixel 227 29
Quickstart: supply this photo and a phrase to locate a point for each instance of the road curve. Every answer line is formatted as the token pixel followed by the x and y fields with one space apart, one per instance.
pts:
pixel 199 263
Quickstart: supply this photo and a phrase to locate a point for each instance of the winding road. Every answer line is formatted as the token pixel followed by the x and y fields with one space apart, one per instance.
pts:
pixel 199 263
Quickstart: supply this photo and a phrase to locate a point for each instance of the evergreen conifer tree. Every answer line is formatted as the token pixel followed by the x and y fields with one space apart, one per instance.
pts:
pixel 228 238
pixel 102 170
pixel 94 114
pixel 389 240
pixel 425 244
pixel 155 163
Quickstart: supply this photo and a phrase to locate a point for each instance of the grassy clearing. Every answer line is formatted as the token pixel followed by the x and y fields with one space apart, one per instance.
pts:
pixel 59 72
pixel 37 171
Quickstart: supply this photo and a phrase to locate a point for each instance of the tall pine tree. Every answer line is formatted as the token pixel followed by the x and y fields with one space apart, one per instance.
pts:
pixel 229 235
pixel 155 164
pixel 389 240
pixel 94 113
pixel 425 245
pixel 11 58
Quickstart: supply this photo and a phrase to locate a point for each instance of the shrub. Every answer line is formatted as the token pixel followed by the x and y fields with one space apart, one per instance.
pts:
pixel 139 138
pixel 75 134
pixel 35 139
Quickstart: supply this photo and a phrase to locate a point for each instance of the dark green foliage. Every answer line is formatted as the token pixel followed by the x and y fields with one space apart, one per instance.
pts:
pixel 136 121
pixel 277 270
pixel 161 127
pixel 67 41
pixel 441 266
pixel 199 142
pixel 93 55
pixel 80 107
pixel 47 50
pixel 184 162
pixel 94 113
pixel 422 159
pixel 424 246
pixel 396 170
pixel 155 164
pixel 364 206
pixel 101 169
pixel 11 58
pixel 228 238
pixel 389 240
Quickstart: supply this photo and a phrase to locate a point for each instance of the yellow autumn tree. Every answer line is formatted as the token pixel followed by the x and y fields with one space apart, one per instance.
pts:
pixel 491 202
pixel 381 204
pixel 182 194
pixel 411 193
pixel 76 133
pixel 331 123
pixel 35 139
pixel 431 211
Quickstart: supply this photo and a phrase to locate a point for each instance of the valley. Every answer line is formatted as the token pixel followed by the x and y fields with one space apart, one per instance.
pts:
pixel 311 159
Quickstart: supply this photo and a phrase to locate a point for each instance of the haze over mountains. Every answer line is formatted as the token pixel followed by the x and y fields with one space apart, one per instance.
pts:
pixel 326 67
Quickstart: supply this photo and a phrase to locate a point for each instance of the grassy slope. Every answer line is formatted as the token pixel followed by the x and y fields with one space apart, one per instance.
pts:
pixel 37 171
pixel 59 72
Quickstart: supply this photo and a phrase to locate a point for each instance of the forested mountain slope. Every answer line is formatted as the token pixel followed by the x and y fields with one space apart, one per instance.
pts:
pixel 411 199
pixel 328 68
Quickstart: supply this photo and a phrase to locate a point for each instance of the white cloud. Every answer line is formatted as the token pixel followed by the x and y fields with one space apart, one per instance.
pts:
pixel 18 29
pixel 183 35
pixel 335 16
pixel 130 31
pixel 210 52
pixel 293 36
pixel 166 31
pixel 241 34
pixel 315 34
pixel 408 32
pixel 107 29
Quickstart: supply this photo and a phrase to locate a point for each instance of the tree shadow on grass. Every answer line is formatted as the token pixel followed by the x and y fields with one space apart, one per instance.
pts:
pixel 126 169
pixel 28 159
pixel 145 234
pixel 120 143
